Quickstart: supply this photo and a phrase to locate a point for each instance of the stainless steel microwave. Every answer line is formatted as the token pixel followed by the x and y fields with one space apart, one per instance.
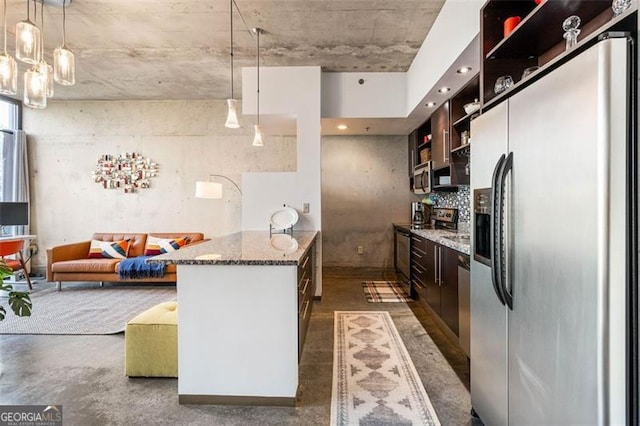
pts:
pixel 422 179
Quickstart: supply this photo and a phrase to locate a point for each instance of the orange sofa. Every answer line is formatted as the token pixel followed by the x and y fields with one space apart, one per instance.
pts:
pixel 70 262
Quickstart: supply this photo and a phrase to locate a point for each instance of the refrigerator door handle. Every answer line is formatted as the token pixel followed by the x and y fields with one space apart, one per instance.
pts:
pixel 494 245
pixel 505 278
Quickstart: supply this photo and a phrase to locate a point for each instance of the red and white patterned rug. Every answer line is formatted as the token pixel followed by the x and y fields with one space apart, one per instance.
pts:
pixel 374 379
pixel 385 291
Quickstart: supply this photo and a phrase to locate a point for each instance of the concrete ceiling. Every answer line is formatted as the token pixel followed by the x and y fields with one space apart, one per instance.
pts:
pixel 160 49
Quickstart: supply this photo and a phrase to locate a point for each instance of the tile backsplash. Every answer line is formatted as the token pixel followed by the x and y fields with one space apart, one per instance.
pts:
pixel 460 200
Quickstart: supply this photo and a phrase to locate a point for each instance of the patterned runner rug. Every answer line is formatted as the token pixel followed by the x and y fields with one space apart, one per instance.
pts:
pixel 385 291
pixel 84 311
pixel 374 380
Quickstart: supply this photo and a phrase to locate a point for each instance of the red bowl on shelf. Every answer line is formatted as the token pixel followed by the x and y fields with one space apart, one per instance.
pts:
pixel 510 23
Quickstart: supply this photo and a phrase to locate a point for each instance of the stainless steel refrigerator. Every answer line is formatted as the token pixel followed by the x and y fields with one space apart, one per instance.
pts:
pixel 554 265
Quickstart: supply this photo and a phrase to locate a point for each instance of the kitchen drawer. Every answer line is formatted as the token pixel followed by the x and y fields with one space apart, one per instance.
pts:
pixel 305 292
pixel 305 266
pixel 419 244
pixel 418 271
pixel 305 298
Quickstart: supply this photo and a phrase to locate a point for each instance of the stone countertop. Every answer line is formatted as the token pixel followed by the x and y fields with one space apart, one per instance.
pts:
pixel 243 248
pixel 456 240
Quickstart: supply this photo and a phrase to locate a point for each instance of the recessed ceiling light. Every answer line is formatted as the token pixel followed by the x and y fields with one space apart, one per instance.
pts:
pixel 342 127
pixel 444 89
pixel 463 70
pixel 431 104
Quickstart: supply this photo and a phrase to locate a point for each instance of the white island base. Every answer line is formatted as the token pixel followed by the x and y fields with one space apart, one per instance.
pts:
pixel 237 334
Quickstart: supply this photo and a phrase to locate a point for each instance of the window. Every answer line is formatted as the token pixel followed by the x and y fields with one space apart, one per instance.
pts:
pixel 9 114
pixel 10 120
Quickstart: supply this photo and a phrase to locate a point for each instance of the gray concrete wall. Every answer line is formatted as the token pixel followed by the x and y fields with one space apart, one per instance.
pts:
pixel 365 187
pixel 186 138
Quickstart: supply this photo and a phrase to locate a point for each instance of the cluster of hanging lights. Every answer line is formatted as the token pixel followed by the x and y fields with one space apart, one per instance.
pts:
pixel 232 115
pixel 39 79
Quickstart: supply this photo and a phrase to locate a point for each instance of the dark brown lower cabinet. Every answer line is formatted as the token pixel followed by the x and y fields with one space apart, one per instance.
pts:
pixel 434 273
pixel 417 271
pixel 449 288
pixel 306 291
pixel 433 284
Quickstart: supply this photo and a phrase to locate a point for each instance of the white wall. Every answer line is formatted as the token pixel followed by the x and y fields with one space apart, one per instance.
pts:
pixel 289 91
pixel 455 27
pixel 381 95
pixel 186 138
pixel 397 95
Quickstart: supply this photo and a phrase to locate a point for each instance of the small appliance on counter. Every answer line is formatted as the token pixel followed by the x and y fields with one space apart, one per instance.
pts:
pixel 418 214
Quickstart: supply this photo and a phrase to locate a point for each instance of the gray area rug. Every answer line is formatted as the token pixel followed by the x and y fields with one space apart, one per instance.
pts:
pixel 374 380
pixel 84 311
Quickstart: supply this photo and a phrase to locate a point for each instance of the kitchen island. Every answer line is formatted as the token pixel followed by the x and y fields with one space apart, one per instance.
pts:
pixel 244 301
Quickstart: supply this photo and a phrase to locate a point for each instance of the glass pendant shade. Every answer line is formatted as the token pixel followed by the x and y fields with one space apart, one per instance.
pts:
pixel 35 89
pixel 8 75
pixel 46 73
pixel 232 116
pixel 64 66
pixel 257 138
pixel 27 42
pixel 49 80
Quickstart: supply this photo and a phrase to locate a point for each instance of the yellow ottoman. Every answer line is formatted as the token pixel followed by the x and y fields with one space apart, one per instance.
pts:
pixel 151 342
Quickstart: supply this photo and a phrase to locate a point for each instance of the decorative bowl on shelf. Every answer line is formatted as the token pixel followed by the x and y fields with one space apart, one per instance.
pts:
pixel 528 71
pixel 471 107
pixel 503 83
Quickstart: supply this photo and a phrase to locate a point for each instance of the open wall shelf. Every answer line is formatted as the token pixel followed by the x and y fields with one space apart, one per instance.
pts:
pixel 538 39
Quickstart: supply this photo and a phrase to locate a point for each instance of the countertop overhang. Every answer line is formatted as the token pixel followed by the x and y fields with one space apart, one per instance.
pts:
pixel 244 248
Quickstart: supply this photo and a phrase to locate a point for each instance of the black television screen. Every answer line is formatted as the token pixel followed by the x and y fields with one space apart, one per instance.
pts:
pixel 13 213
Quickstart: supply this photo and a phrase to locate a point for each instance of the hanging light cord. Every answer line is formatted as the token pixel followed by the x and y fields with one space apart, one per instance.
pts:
pixel 4 11
pixel 64 23
pixel 258 30
pixel 244 21
pixel 231 16
pixel 41 29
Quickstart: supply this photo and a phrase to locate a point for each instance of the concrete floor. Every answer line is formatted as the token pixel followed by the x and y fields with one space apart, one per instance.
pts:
pixel 86 373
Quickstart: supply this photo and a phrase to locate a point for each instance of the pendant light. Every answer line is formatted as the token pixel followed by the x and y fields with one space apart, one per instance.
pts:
pixel 35 83
pixel 8 66
pixel 27 40
pixel 35 89
pixel 257 138
pixel 232 116
pixel 64 62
